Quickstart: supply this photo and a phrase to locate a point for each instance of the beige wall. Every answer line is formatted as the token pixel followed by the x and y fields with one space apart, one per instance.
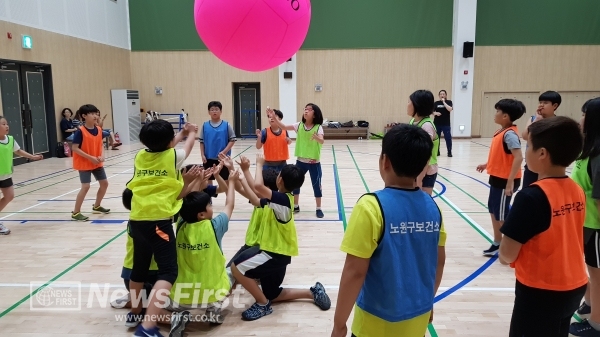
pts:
pixel 82 71
pixel 192 79
pixel 370 84
pixel 522 71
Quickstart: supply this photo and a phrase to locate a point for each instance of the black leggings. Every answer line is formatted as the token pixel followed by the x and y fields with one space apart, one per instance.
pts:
pixel 153 238
pixel 528 177
pixel 539 312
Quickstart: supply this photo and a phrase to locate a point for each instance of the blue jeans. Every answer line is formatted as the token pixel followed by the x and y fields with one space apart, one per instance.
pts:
pixel 447 135
pixel 315 176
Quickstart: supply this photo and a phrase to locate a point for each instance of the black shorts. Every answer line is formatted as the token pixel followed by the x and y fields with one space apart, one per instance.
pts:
pixel 429 180
pixel 224 171
pixel 540 312
pixel 269 268
pixel 6 183
pixel 153 238
pixel 591 247
pixel 499 203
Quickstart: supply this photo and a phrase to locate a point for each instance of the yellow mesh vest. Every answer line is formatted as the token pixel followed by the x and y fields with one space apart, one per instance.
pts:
pixel 254 227
pixel 278 237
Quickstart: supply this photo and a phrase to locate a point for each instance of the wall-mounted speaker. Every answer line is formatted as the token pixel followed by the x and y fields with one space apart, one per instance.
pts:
pixel 468 49
pixel 287 74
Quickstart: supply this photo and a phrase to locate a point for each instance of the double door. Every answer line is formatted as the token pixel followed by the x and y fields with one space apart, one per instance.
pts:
pixel 24 106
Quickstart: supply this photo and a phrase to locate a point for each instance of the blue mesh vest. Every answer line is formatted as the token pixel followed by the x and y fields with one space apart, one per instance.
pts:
pixel 401 276
pixel 215 139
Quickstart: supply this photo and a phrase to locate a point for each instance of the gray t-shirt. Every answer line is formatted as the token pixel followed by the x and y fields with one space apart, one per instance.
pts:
pixel 512 140
pixel 214 125
pixel 595 171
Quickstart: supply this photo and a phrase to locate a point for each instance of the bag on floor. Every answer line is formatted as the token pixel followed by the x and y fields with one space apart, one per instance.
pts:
pixel 60 150
pixel 67 148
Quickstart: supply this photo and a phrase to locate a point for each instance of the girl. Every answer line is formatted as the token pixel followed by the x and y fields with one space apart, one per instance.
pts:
pixel 309 140
pixel 420 108
pixel 8 146
pixel 66 125
pixel 586 174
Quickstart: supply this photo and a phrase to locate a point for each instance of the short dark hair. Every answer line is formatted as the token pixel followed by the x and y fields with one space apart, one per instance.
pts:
pixel 126 198
pixel 194 203
pixel 591 129
pixel 215 104
pixel 292 177
pixel 513 108
pixel 278 113
pixel 560 136
pixel 86 109
pixel 408 148
pixel 552 97
pixel 270 178
pixel 157 135
pixel 317 116
pixel 65 110
pixel 423 102
pixel 445 92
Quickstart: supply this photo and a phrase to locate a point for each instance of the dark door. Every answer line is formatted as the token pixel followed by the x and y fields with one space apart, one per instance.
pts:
pixel 10 84
pixel 246 101
pixel 35 108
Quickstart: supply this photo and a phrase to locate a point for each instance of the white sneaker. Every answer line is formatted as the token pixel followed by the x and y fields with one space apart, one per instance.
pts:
pixel 120 302
pixel 3 229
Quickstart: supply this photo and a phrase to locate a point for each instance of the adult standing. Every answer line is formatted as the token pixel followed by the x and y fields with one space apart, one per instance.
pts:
pixel 443 107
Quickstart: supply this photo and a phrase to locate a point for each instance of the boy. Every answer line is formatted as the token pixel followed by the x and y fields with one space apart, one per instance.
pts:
pixel 200 259
pixel 543 234
pixel 216 137
pixel 278 243
pixel 275 142
pixel 88 159
pixel 157 191
pixel 390 270
pixel 503 166
pixel 549 102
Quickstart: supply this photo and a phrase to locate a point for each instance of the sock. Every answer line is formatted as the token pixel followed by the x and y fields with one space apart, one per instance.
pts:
pixel 296 206
pixel 594 325
pixel 318 208
pixel 496 243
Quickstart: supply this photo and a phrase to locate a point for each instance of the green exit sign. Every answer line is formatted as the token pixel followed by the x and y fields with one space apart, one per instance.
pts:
pixel 27 42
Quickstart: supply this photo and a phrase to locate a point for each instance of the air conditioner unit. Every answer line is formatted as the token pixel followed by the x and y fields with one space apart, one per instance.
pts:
pixel 126 114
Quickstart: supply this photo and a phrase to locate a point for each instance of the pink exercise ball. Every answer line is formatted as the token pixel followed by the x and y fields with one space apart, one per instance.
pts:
pixel 252 35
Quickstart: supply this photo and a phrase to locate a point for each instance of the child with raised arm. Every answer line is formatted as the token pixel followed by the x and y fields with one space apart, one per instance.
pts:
pixel 274 142
pixel 8 146
pixel 309 140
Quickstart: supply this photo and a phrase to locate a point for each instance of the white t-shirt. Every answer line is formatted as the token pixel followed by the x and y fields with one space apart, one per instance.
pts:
pixel 16 148
pixel 431 131
pixel 319 132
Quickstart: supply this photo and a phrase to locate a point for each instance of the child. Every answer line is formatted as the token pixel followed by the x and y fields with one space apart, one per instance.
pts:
pixel 275 142
pixel 125 301
pixel 549 102
pixel 216 137
pixel 202 280
pixel 420 107
pixel 390 271
pixel 278 243
pixel 88 159
pixel 543 235
pixel 503 166
pixel 309 140
pixel 8 146
pixel 157 191
pixel 586 174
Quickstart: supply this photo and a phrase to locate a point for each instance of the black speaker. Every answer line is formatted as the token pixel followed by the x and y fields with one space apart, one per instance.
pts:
pixel 468 49
pixel 287 74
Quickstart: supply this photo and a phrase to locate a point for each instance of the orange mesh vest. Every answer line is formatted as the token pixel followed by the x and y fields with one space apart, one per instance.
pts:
pixel 276 147
pixel 553 260
pixel 91 145
pixel 499 161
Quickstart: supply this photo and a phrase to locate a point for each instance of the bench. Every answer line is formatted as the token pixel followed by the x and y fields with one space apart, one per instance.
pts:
pixel 354 132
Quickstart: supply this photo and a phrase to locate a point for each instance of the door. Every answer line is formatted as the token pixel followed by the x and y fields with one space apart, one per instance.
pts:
pixel 488 127
pixel 11 104
pixel 246 102
pixel 35 109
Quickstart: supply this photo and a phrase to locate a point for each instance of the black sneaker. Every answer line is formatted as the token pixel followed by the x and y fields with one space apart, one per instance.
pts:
pixel 449 154
pixel 491 251
pixel 320 214
pixel 296 209
pixel 584 310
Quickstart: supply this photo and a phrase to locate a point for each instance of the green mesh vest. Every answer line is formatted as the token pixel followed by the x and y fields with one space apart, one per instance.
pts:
pixel 436 141
pixel 582 177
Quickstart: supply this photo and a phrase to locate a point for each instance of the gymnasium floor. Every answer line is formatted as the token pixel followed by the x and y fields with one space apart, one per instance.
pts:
pixel 46 247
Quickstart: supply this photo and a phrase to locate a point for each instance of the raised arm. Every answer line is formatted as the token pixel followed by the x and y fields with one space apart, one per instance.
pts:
pixel 259 185
pixel 234 177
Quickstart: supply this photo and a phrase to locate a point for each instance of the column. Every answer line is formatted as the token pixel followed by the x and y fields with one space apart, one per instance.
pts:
pixel 288 93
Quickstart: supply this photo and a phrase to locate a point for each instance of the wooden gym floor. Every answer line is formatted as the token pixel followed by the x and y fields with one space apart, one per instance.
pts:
pixel 45 247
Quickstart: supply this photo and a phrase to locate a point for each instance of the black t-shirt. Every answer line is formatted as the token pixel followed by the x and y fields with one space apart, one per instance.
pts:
pixel 66 124
pixel 444 119
pixel 529 216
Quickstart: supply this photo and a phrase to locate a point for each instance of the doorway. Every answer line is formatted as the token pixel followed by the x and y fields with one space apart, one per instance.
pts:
pixel 28 106
pixel 246 109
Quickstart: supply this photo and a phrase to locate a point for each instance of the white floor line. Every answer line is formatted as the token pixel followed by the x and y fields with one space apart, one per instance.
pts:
pixel 297 286
pixel 54 198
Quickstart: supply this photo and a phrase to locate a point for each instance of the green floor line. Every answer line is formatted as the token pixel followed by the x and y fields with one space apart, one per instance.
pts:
pixel 359 172
pixel 465 192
